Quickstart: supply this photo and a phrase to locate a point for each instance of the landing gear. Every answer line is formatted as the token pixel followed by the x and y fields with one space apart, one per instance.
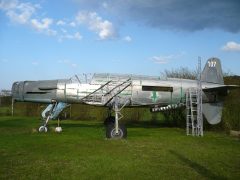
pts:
pixel 112 133
pixel 114 130
pixel 42 129
pixel 52 112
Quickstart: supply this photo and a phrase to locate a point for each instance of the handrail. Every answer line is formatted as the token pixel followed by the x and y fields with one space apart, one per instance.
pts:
pixel 96 90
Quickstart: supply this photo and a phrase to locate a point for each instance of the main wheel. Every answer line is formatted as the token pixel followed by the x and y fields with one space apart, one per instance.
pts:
pixel 109 120
pixel 112 134
pixel 42 129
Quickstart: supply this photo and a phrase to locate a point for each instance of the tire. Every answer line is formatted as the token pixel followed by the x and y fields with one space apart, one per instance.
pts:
pixel 111 132
pixel 42 129
pixel 109 120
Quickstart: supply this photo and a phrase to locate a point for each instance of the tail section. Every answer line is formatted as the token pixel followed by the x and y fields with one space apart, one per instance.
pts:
pixel 212 71
pixel 214 93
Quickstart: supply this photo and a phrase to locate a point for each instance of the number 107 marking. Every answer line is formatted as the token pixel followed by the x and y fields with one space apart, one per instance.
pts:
pixel 212 63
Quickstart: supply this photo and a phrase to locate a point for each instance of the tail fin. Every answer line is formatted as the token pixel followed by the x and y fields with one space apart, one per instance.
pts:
pixel 212 71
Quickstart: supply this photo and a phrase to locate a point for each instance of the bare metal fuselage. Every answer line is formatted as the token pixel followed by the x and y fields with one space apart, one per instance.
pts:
pixel 140 90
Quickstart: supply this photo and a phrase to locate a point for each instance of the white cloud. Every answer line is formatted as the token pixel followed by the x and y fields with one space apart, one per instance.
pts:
pixel 25 13
pixel 35 63
pixel 61 23
pixel 21 19
pixel 51 32
pixel 167 58
pixel 65 61
pixel 18 12
pixel 8 4
pixel 74 65
pixel 41 25
pixel 63 30
pixel 231 46
pixel 68 63
pixel 73 24
pixel 4 61
pixel 159 59
pixel 103 28
pixel 105 5
pixel 76 36
pixel 22 13
pixel 127 39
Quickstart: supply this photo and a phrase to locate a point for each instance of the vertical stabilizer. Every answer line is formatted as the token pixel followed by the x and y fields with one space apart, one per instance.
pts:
pixel 212 71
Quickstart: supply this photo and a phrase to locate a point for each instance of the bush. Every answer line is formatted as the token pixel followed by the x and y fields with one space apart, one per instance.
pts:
pixel 231 110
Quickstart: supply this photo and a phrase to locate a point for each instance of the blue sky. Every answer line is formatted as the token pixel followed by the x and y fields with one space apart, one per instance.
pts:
pixel 56 39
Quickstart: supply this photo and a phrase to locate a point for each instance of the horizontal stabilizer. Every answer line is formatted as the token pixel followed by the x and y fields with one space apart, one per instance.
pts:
pixel 212 112
pixel 222 88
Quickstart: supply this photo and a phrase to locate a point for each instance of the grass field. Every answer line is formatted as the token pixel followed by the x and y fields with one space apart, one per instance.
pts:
pixel 82 152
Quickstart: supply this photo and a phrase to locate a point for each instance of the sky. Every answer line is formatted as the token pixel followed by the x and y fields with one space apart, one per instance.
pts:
pixel 52 39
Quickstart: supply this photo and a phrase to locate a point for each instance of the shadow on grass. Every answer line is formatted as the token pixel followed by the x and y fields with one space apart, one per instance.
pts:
pixel 17 122
pixel 197 167
pixel 134 124
pixel 148 124
pixel 79 125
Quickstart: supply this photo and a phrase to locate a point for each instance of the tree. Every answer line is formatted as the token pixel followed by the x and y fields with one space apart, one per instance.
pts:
pixel 182 72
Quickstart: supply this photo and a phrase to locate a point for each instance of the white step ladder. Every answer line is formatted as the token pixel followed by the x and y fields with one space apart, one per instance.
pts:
pixel 194 118
pixel 194 113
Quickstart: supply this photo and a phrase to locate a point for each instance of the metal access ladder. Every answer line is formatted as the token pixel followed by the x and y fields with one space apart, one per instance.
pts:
pixel 194 113
pixel 194 118
pixel 106 93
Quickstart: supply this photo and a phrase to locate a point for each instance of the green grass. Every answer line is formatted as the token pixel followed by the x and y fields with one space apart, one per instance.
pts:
pixel 82 152
pixel 4 111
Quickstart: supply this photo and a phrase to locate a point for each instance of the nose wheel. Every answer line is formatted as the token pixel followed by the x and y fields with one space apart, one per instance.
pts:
pixel 48 114
pixel 42 129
